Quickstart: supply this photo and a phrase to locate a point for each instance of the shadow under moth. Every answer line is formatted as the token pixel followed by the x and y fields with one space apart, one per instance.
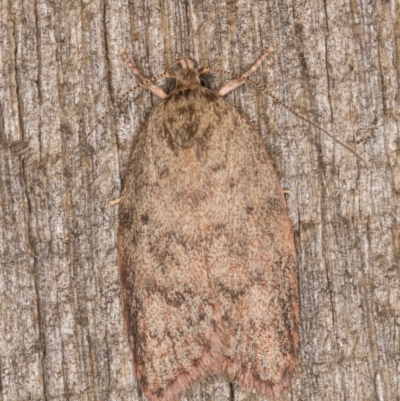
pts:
pixel 206 257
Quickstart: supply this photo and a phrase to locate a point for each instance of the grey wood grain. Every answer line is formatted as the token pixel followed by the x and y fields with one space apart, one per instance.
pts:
pixel 336 62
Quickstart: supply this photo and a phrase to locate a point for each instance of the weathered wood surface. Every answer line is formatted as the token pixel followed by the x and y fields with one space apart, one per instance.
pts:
pixel 336 62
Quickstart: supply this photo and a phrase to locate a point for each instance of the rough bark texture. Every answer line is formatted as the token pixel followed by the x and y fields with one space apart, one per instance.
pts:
pixel 337 62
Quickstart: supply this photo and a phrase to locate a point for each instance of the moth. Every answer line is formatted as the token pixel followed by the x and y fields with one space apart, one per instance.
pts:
pixel 206 257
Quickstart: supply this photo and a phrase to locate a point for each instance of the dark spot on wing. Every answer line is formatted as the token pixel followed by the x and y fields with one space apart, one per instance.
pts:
pixel 125 218
pixel 249 209
pixel 144 218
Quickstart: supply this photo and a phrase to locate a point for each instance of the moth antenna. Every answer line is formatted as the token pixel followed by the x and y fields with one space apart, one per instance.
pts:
pixel 107 112
pixel 241 79
pixel 121 99
pixel 146 83
pixel 116 104
pixel 272 96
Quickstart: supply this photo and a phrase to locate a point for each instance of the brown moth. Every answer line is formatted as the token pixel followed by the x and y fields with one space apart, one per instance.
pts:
pixel 206 257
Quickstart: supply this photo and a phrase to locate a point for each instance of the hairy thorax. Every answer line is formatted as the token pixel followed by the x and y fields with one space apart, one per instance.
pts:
pixel 196 114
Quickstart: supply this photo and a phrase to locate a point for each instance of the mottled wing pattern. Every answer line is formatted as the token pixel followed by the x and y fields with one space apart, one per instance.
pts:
pixel 253 266
pixel 207 262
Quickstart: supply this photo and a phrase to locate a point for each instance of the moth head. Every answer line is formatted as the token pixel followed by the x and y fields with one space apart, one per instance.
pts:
pixel 186 74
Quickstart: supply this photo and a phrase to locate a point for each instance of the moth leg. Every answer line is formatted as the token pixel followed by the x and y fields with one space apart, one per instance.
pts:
pixel 114 201
pixel 230 86
pixel 146 82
